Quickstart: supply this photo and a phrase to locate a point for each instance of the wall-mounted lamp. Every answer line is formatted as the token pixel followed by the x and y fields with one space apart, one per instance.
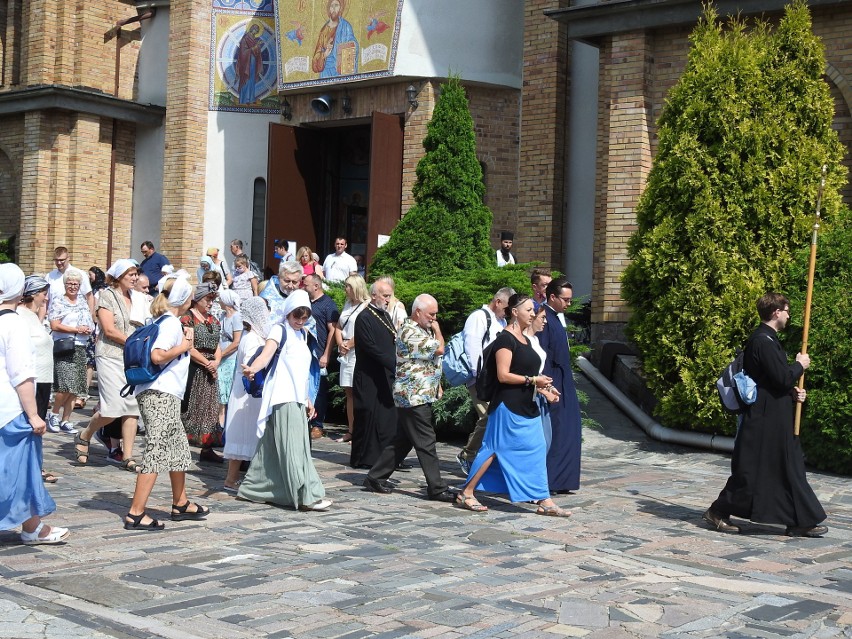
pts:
pixel 286 110
pixel 411 94
pixel 346 103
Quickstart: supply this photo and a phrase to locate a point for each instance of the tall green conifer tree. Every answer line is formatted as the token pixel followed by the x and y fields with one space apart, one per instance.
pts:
pixel 448 227
pixel 729 198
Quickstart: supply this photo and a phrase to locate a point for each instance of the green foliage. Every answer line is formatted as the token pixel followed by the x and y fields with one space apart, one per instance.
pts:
pixel 454 414
pixel 447 229
pixel 7 250
pixel 826 431
pixel 729 198
pixel 462 293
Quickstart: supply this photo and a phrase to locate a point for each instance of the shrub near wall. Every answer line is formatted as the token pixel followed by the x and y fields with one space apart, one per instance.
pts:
pixel 826 430
pixel 728 200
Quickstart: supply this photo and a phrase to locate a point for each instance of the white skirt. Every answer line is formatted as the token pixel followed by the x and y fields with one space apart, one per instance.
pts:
pixel 110 382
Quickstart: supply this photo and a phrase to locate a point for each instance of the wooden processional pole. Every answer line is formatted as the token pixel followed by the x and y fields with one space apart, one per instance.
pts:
pixel 811 270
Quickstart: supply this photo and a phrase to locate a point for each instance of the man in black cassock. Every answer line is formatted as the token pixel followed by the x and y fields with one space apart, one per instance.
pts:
pixel 374 426
pixel 768 482
pixel 563 455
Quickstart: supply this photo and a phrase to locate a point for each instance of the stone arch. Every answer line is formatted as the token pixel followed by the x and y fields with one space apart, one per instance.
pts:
pixel 10 198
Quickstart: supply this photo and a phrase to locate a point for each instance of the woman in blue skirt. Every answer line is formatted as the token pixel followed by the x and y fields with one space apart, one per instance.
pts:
pixel 513 455
pixel 23 498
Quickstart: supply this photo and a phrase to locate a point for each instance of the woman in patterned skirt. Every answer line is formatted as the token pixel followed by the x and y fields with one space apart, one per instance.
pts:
pixel 166 447
pixel 200 406
pixel 70 318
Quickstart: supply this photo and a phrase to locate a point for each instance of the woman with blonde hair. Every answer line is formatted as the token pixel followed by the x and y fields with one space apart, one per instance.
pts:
pixel 310 266
pixel 357 298
pixel 166 447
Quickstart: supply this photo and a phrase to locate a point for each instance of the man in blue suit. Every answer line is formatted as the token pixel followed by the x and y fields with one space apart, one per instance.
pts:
pixel 563 458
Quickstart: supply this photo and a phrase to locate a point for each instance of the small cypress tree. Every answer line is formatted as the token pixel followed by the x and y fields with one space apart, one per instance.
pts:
pixel 447 228
pixel 742 138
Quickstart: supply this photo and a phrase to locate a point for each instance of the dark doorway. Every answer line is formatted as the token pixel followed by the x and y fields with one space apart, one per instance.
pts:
pixel 331 182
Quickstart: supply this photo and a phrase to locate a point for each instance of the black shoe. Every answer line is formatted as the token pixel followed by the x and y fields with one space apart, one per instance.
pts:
pixel 443 496
pixel 805 531
pixel 722 524
pixel 376 486
pixel 404 466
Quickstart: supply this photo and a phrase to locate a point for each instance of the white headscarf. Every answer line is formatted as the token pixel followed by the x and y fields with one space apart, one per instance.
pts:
pixel 228 297
pixel 120 267
pixel 181 289
pixel 11 282
pixel 296 299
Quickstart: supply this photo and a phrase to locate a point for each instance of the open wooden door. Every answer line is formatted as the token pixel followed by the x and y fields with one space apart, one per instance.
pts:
pixel 385 178
pixel 294 175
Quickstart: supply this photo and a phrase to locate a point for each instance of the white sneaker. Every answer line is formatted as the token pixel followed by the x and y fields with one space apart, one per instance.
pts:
pixel 319 506
pixel 67 427
pixel 53 423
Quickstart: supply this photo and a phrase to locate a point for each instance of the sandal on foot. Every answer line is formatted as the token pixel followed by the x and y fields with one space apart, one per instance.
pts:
pixel 470 503
pixel 48 478
pixel 135 523
pixel 200 512
pixel 130 465
pixel 55 536
pixel 79 441
pixel 552 511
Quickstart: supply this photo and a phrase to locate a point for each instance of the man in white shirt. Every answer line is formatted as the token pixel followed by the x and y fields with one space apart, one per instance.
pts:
pixel 339 265
pixel 480 329
pixel 57 286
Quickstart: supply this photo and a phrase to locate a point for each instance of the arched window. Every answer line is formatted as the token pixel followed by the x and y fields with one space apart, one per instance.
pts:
pixel 258 221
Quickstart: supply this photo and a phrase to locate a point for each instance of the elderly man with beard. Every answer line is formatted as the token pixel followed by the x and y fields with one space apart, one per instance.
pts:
pixel 419 347
pixel 372 383
pixel 768 482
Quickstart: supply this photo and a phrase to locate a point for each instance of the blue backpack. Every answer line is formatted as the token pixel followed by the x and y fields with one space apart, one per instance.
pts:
pixel 138 367
pixel 456 367
pixel 254 387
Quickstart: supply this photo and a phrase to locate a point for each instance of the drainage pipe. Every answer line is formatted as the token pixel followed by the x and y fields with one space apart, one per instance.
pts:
pixel 719 443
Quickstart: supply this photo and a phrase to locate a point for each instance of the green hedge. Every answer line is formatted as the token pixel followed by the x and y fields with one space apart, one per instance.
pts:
pixel 826 431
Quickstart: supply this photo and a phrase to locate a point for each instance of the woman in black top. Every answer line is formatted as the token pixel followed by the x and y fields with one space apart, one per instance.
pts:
pixel 512 458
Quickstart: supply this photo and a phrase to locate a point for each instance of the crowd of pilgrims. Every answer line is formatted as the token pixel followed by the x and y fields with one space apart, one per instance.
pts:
pixel 222 326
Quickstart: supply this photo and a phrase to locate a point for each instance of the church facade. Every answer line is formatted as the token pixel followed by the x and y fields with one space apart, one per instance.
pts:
pixel 184 124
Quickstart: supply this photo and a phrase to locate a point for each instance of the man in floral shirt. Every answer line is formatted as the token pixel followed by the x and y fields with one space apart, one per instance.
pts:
pixel 419 348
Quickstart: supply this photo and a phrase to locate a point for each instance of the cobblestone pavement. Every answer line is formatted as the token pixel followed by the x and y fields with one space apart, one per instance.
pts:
pixel 635 560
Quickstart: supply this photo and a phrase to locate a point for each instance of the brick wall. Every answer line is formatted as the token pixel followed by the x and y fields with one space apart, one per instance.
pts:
pixel 186 133
pixel 539 224
pixel 11 156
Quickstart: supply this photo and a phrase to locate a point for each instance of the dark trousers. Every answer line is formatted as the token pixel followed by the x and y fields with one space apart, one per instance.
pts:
pixel 42 394
pixel 414 429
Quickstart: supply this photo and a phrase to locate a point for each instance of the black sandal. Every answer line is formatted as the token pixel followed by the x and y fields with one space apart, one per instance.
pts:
pixel 135 523
pixel 200 513
pixel 79 441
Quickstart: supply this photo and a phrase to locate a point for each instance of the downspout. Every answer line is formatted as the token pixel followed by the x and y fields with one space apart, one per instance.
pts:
pixel 655 430
pixel 115 32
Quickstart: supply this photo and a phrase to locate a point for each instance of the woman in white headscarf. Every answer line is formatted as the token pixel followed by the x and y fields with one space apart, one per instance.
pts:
pixel 23 497
pixel 241 420
pixel 166 446
pixel 229 342
pixel 114 311
pixel 282 471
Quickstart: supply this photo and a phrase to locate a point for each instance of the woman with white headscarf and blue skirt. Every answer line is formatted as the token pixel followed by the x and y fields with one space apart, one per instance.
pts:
pixel 23 498
pixel 166 446
pixel 241 420
pixel 282 471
